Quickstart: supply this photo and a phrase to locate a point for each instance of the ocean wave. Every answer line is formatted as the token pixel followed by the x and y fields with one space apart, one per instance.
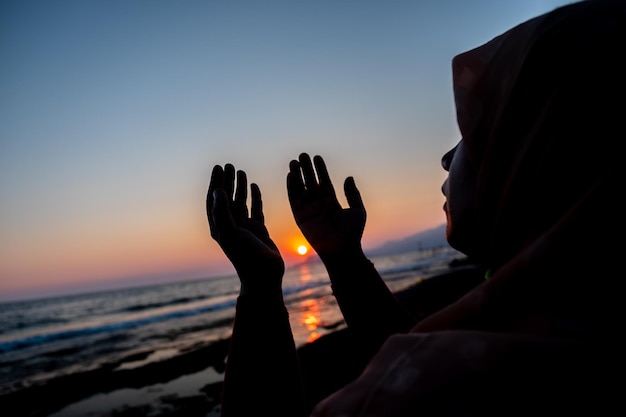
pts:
pixel 25 342
pixel 144 315
pixel 150 306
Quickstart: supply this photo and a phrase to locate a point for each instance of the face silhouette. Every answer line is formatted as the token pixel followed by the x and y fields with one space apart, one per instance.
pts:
pixel 460 190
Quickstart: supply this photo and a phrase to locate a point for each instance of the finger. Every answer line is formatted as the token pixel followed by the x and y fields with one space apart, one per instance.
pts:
pixel 241 195
pixel 307 171
pixel 223 221
pixel 295 185
pixel 217 178
pixel 256 205
pixel 229 181
pixel 326 185
pixel 294 166
pixel 353 196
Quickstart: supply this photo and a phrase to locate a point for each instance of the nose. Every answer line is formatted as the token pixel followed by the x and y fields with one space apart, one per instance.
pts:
pixel 446 159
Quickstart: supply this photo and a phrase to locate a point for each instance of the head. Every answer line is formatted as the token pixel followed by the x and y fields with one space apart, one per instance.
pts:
pixel 540 109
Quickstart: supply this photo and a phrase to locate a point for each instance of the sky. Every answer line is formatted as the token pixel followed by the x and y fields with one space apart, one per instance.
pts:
pixel 113 113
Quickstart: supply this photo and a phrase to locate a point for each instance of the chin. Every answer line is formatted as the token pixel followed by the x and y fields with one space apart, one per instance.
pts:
pixel 458 240
pixel 448 232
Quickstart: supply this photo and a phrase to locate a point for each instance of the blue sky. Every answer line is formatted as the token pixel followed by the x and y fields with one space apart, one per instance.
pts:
pixel 113 113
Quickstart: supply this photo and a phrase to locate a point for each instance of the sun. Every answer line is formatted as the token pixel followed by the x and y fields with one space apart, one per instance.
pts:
pixel 302 250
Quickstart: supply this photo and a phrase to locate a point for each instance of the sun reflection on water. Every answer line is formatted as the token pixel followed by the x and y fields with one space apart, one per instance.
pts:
pixel 309 309
pixel 310 318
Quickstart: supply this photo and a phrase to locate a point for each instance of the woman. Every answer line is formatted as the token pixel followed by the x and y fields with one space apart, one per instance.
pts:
pixel 530 185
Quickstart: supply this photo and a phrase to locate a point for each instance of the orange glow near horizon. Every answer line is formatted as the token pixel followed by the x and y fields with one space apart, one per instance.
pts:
pixel 295 247
pixel 299 245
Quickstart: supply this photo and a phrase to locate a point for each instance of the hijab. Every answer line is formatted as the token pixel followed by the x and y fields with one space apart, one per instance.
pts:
pixel 541 110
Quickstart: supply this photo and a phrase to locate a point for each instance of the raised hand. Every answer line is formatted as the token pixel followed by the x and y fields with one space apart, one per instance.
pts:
pixel 329 228
pixel 243 238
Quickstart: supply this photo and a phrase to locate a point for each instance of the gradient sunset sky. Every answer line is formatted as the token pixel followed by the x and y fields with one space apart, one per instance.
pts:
pixel 112 114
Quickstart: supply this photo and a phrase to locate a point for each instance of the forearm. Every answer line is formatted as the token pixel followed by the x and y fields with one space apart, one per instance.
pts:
pixel 367 304
pixel 262 371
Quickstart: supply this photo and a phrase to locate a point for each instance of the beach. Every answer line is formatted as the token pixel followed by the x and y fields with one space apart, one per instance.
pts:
pixel 161 351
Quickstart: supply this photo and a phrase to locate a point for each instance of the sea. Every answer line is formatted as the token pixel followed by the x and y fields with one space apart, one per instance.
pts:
pixel 43 339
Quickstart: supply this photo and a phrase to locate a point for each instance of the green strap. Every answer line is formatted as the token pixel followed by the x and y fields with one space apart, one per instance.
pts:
pixel 488 273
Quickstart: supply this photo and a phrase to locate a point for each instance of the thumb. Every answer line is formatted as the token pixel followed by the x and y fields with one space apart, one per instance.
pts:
pixel 353 196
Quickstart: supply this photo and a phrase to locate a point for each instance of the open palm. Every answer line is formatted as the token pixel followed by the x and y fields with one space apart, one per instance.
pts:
pixel 243 238
pixel 329 228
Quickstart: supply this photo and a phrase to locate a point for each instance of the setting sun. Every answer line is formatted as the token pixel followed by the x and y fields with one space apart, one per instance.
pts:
pixel 302 250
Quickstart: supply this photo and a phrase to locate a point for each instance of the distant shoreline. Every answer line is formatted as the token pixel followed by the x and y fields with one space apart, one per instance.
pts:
pixel 428 239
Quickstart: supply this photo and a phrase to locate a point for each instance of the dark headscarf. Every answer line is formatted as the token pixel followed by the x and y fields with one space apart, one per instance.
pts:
pixel 541 109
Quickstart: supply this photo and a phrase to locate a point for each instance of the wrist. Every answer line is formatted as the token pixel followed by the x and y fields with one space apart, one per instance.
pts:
pixel 347 259
pixel 261 293
pixel 259 303
pixel 261 282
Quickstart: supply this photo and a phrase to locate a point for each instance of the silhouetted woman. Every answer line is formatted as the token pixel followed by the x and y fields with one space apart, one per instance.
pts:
pixel 533 194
